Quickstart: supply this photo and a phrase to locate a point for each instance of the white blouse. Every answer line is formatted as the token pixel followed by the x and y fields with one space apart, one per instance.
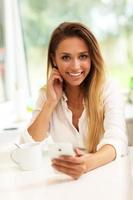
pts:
pixel 61 128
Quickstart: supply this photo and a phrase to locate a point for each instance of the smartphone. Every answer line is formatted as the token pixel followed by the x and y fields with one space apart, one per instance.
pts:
pixel 58 149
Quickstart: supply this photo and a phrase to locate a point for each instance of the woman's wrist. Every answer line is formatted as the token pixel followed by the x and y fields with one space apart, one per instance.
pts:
pixel 40 126
pixel 103 156
pixel 50 104
pixel 90 162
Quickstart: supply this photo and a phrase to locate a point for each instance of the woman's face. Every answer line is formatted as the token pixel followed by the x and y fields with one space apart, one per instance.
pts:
pixel 72 60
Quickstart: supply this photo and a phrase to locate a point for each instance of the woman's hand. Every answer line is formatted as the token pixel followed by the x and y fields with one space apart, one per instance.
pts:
pixel 73 166
pixel 54 87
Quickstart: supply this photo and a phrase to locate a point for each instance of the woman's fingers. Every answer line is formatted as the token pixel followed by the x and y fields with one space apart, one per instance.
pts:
pixel 55 75
pixel 71 159
pixel 54 86
pixel 55 72
pixel 78 168
pixel 67 171
pixel 73 166
pixel 65 164
pixel 79 152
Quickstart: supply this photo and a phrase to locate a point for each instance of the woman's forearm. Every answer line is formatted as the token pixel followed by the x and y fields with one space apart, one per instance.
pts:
pixel 40 126
pixel 103 156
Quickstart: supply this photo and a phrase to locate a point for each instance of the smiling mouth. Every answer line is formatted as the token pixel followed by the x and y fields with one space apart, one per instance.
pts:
pixel 74 74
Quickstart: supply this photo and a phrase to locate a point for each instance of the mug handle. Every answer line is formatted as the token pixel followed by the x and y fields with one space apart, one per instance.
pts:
pixel 12 157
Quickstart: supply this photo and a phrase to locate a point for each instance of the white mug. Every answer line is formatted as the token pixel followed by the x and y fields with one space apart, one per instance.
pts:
pixel 28 156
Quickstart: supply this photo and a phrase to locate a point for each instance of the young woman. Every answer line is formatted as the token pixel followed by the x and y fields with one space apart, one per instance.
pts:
pixel 79 105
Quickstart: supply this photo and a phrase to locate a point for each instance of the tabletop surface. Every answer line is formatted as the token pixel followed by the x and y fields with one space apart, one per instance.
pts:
pixel 112 181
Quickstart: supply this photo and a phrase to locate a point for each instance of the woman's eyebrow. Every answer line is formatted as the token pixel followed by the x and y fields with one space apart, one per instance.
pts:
pixel 65 53
pixel 82 52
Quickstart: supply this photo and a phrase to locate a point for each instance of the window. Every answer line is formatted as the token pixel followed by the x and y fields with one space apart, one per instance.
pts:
pixel 3 94
pixel 111 22
pixel 25 28
pixel 14 82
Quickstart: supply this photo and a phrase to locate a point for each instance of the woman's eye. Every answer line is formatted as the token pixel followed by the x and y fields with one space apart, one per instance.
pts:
pixel 83 57
pixel 65 58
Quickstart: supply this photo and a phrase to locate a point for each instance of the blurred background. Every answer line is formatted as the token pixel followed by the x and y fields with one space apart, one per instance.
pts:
pixel 25 29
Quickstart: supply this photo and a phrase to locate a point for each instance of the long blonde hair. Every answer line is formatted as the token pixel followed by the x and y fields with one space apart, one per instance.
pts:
pixel 93 84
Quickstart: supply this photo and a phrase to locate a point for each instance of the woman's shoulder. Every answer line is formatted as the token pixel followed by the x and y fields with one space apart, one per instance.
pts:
pixel 43 90
pixel 112 92
pixel 111 85
pixel 41 95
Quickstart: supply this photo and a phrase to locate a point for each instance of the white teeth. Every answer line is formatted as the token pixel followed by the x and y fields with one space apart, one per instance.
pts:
pixel 75 74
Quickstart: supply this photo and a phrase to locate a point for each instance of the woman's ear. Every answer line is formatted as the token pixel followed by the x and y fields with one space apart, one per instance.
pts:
pixel 53 60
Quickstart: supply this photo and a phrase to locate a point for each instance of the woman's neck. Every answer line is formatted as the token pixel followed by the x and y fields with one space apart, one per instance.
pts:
pixel 74 95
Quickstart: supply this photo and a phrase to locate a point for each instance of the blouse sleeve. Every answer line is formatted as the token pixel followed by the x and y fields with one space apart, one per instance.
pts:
pixel 114 121
pixel 25 136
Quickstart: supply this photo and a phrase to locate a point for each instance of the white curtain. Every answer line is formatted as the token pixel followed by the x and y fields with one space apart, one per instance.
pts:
pixel 15 64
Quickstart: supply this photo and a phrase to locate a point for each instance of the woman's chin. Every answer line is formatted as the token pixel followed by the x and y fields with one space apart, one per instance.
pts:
pixel 74 83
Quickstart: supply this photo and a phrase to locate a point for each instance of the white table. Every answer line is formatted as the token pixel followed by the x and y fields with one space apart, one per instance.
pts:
pixel 110 182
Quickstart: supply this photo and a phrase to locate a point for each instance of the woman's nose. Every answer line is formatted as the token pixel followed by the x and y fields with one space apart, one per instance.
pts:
pixel 76 64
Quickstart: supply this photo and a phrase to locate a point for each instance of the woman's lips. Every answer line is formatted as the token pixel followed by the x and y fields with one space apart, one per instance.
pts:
pixel 74 74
